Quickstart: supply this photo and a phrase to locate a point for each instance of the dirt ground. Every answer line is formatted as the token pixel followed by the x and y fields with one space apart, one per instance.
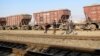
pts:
pixel 52 41
pixel 41 32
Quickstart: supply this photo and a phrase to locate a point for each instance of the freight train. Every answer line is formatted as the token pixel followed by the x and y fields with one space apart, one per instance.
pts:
pixel 92 14
pixel 15 22
pixel 49 16
pixel 22 21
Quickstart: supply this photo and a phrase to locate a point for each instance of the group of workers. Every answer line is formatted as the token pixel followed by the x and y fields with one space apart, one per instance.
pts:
pixel 69 27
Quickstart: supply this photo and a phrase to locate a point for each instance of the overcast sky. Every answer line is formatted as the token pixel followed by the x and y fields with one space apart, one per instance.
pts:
pixel 12 7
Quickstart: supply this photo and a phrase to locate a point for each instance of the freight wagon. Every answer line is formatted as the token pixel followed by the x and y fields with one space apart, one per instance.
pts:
pixel 92 14
pixel 47 17
pixel 2 23
pixel 18 22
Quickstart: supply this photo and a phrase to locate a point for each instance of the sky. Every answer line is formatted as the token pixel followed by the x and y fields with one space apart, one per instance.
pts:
pixel 13 7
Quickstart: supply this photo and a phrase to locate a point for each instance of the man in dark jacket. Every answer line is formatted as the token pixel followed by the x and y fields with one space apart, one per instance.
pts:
pixel 54 26
pixel 46 27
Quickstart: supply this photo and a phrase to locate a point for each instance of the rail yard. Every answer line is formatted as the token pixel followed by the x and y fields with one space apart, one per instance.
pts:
pixel 27 42
pixel 19 38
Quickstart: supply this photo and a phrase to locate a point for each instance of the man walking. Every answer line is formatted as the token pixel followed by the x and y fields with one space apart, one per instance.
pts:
pixel 72 27
pixel 46 28
pixel 54 26
pixel 69 27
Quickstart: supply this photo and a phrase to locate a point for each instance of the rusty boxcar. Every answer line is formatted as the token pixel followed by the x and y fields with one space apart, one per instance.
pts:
pixel 18 21
pixel 92 14
pixel 2 23
pixel 48 17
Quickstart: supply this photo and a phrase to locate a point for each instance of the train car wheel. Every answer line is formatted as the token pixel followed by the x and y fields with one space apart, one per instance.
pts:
pixel 93 27
pixel 36 27
pixel 26 28
pixel 8 28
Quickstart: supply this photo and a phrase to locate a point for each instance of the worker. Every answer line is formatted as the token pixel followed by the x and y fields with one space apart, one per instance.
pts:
pixel 72 27
pixel 68 27
pixel 46 28
pixel 54 26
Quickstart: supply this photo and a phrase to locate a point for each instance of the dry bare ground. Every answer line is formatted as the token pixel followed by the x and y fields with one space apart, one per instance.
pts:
pixel 77 33
pixel 38 37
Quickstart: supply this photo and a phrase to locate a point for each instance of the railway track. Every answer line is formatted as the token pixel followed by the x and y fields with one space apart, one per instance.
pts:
pixel 56 45
pixel 51 51
pixel 6 49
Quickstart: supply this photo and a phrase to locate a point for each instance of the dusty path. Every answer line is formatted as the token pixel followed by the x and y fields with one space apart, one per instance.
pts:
pixel 50 39
pixel 76 33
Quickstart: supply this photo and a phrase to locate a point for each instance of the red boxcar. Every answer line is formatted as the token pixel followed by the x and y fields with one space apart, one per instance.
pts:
pixel 49 16
pixel 92 12
pixel 18 20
